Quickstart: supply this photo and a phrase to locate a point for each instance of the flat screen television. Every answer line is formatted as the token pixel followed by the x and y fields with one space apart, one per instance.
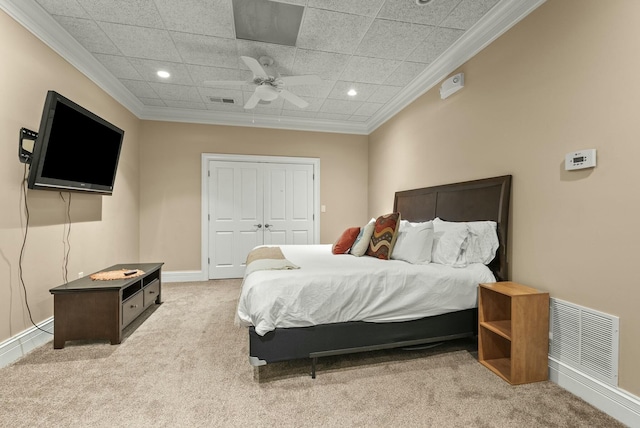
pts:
pixel 75 150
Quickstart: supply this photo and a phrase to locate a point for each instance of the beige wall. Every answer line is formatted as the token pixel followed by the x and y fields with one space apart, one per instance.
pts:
pixel 104 229
pixel 563 79
pixel 170 186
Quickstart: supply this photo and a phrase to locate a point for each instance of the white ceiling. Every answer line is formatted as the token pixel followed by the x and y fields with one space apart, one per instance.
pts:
pixel 390 51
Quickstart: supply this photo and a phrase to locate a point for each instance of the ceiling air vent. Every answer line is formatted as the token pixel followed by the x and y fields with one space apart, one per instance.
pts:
pixel 222 100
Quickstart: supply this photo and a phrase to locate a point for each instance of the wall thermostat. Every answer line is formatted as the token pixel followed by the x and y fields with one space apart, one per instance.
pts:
pixel 580 160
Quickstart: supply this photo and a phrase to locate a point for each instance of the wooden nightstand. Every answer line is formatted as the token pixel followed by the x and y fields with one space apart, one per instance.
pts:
pixel 513 331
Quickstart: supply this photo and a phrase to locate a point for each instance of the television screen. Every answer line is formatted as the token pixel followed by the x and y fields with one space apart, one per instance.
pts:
pixel 75 149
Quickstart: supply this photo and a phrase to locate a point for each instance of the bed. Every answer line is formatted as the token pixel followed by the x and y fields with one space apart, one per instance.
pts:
pixel 280 336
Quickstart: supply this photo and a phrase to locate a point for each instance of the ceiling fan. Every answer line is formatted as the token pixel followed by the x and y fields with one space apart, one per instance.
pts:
pixel 269 84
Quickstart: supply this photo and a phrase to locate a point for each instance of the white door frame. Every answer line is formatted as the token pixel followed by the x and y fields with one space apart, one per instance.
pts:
pixel 207 157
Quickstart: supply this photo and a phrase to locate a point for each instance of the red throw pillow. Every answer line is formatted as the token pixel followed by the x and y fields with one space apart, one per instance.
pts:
pixel 345 241
pixel 384 236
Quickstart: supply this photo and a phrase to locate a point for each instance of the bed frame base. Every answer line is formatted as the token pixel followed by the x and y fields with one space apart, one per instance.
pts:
pixel 350 337
pixel 406 344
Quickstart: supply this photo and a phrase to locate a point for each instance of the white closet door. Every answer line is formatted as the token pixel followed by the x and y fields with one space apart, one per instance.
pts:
pixel 252 204
pixel 236 205
pixel 288 204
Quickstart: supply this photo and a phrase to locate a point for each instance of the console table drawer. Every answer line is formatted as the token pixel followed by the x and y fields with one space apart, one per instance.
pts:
pixel 151 292
pixel 132 308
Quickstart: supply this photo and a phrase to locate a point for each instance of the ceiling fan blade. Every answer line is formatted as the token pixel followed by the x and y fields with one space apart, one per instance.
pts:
pixel 293 99
pixel 254 66
pixel 301 80
pixel 252 101
pixel 225 82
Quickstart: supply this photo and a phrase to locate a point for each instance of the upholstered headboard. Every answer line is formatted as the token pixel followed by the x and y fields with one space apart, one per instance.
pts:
pixel 485 199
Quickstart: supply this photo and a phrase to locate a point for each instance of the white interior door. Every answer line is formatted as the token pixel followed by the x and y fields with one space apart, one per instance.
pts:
pixel 254 203
pixel 288 204
pixel 236 206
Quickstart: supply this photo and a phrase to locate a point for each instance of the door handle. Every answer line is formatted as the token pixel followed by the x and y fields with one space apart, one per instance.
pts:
pixel 267 225
pixel 257 225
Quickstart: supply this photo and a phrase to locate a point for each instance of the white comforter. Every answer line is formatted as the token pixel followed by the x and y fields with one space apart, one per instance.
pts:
pixel 332 288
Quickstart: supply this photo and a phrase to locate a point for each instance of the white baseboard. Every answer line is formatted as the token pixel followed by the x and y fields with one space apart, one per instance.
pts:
pixel 20 345
pixel 615 402
pixel 183 276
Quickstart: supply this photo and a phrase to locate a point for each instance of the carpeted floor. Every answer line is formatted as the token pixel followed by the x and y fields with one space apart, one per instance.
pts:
pixel 185 365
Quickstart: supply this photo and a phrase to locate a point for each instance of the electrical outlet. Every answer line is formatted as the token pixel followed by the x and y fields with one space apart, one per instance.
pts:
pixel 80 274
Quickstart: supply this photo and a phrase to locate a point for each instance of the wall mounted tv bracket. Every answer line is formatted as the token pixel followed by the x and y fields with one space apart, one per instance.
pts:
pixel 23 154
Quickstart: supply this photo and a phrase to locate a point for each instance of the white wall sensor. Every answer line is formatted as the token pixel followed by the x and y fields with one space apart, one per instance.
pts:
pixel 452 85
pixel 580 160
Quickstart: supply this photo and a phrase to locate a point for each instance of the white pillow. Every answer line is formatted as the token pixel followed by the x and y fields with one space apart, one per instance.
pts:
pixel 359 247
pixel 414 242
pixel 482 243
pixel 449 242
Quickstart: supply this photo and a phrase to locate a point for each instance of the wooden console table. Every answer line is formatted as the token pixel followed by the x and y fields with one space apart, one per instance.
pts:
pixel 86 309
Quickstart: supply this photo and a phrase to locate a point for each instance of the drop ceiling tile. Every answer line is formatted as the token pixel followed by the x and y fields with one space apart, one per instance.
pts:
pixel 89 34
pixel 169 92
pixel 154 102
pixel 392 39
pixel 368 109
pixel 364 90
pixel 358 7
pixel 231 108
pixel 200 74
pixel 302 113
pixel 148 69
pixel 64 8
pixel 119 66
pixel 139 89
pixel 141 13
pixel 327 65
pixel 435 44
pixel 192 105
pixel 321 90
pixel 467 13
pixel 405 73
pixel 206 50
pixel 314 105
pixel 384 94
pixel 408 11
pixel 282 56
pixel 340 106
pixel 142 42
pixel 369 70
pixel 211 17
pixel 341 32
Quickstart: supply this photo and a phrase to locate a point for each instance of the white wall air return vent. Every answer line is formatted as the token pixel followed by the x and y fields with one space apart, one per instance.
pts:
pixel 585 340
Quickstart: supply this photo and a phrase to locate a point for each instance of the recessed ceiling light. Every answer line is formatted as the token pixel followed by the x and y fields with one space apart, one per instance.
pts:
pixel 163 74
pixel 352 93
pixel 422 2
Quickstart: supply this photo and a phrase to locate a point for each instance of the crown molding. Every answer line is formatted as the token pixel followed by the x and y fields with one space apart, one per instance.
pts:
pixel 498 20
pixel 31 16
pixel 252 121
